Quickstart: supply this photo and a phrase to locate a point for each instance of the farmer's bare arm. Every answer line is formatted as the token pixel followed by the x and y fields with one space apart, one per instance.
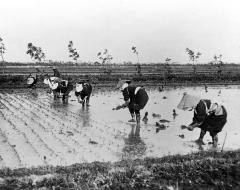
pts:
pixel 123 105
pixel 194 125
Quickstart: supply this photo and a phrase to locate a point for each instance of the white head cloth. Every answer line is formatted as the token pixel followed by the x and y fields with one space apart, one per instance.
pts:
pixel 79 87
pixel 30 80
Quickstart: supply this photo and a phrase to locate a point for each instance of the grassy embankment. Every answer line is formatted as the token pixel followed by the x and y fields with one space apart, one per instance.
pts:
pixel 203 170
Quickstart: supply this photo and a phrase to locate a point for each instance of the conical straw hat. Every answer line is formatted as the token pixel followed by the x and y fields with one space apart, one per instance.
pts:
pixel 188 101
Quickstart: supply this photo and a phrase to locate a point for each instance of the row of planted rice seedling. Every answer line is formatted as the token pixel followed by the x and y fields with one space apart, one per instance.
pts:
pixel 43 134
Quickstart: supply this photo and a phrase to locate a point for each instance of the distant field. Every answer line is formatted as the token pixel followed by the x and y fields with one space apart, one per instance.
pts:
pixel 107 75
pixel 146 69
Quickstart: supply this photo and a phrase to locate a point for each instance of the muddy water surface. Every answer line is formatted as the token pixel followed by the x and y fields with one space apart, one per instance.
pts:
pixel 37 130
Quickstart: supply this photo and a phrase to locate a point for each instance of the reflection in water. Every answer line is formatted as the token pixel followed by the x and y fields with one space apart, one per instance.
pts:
pixel 56 103
pixel 134 145
pixel 85 116
pixel 57 100
pixel 194 144
pixel 81 117
pixel 33 93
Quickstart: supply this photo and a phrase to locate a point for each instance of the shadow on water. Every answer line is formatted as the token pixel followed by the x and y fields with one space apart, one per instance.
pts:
pixel 193 143
pixel 134 145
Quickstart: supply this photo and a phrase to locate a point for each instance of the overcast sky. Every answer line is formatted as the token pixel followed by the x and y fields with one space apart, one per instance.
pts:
pixel 158 28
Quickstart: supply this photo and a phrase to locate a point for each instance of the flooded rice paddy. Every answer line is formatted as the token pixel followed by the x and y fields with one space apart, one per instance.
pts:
pixel 37 130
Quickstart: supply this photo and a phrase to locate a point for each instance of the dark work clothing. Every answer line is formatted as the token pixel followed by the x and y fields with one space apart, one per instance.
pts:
pixel 137 101
pixel 65 87
pixel 86 91
pixel 211 122
pixel 56 73
pixel 200 111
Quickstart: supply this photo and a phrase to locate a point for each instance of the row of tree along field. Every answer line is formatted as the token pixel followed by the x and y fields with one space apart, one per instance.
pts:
pixel 37 55
pixel 104 64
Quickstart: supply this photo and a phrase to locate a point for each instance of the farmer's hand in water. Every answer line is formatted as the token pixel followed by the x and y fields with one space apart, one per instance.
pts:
pixel 183 127
pixel 118 107
pixel 190 128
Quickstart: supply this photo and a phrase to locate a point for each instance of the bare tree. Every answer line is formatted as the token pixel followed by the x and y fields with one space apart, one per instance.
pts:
pixel 2 48
pixel 105 57
pixel 2 51
pixel 193 57
pixel 134 49
pixel 35 52
pixel 139 69
pixel 218 61
pixel 167 69
pixel 72 51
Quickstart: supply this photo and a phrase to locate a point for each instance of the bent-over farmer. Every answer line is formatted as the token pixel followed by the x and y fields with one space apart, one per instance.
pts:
pixel 32 80
pixel 208 116
pixel 59 86
pixel 56 73
pixel 135 99
pixel 65 87
pixel 83 92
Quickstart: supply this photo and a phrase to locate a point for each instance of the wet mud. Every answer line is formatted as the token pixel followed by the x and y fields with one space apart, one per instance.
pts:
pixel 37 130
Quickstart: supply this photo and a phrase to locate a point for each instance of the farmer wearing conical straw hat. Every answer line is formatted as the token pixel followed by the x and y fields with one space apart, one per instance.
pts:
pixel 56 73
pixel 208 116
pixel 135 99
